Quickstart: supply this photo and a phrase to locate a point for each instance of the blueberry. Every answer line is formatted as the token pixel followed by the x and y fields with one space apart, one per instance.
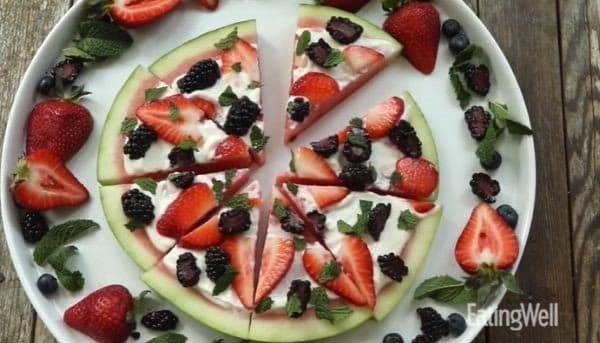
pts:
pixel 45 85
pixel 47 284
pixel 459 43
pixel 451 28
pixel 393 338
pixel 457 324
pixel 494 163
pixel 509 215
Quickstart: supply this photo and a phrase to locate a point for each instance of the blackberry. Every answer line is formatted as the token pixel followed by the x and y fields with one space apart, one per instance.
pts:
pixel 356 176
pixel 450 28
pixel 139 141
pixel 326 146
pixel 47 284
pixel 298 109
pixel 33 226
pixel 138 206
pixel 456 324
pixel 423 339
pixel 478 78
pixel 163 320
pixel 301 289
pixel 392 266
pixel 393 338
pixel 135 335
pixel 234 221
pixel 343 30
pixel 242 114
pixel 318 220
pixel 510 216
pixel 404 137
pixel 478 120
pixel 318 52
pixel 377 219
pixel 183 180
pixel 67 70
pixel 201 75
pixel 484 187
pixel 458 43
pixel 358 145
pixel 179 157
pixel 45 85
pixel 494 163
pixel 292 223
pixel 432 323
pixel 216 260
pixel 188 273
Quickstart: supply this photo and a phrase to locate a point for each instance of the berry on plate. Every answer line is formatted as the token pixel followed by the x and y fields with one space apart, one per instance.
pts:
pixel 417 178
pixel 210 5
pixel 137 13
pixel 346 5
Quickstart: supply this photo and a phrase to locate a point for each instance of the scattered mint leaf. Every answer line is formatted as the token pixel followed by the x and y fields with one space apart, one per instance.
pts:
pixel 237 67
pixel 437 284
pixel 60 235
pixel 460 88
pixel 358 140
pixel 293 306
pixel 344 227
pixel 146 184
pixel 292 164
pixel 407 220
pixel 228 97
pixel 229 41
pixel 155 93
pixel 229 176
pixel 264 305
pixel 334 314
pixel 218 188
pixel 170 337
pixel 225 280
pixel 373 171
pixel 279 210
pixel 330 271
pixel 140 301
pixel 128 125
pixel 473 51
pixel 254 85
pixel 71 280
pixel 318 296
pixel 174 113
pixel 510 282
pixel 187 144
pixel 389 5
pixel 133 225
pixel 257 139
pixel 356 122
pixel 487 147
pixel 501 114
pixel 76 53
pixel 303 42
pixel 360 227
pixel 102 39
pixel 334 58
pixel 293 188
pixel 395 178
pixel 240 201
pixel 299 243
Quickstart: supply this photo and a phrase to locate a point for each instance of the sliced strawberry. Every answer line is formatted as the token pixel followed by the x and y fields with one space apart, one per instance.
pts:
pixel 355 257
pixel 486 241
pixel 277 257
pixel 317 87
pixel 326 196
pixel 346 5
pixel 241 251
pixel 43 182
pixel 244 54
pixel 206 106
pixel 343 135
pixel 134 13
pixel 417 178
pixel 189 207
pixel 310 165
pixel 422 206
pixel 174 118
pixel 204 236
pixel 381 118
pixel 314 259
pixel 210 5
pixel 362 59
pixel 233 148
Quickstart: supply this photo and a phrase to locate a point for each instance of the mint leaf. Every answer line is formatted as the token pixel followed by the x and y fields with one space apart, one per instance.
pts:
pixel 460 88
pixel 254 85
pixel 187 144
pixel 76 53
pixel 170 337
pixel 303 42
pixel 146 184
pixel 237 67
pixel 101 48
pixel 154 93
pixel 473 51
pixel 257 139
pixel 73 281
pixel 279 210
pixel 293 306
pixel 128 125
pixel 292 164
pixel 487 147
pixel 218 188
pixel 299 243
pixel 264 305
pixel 174 113
pixel 225 280
pixel 438 284
pixel 407 220
pixel 228 97
pixel 501 114
pixel 334 58
pixel 133 225
pixel 395 178
pixel 344 227
pixel 358 140
pixel 318 296
pixel 510 282
pixel 334 315
pixel 330 271
pixel 356 122
pixel 229 176
pixel 229 41
pixel 59 235
pixel 360 227
pixel 389 5
pixel 291 187
pixel 240 201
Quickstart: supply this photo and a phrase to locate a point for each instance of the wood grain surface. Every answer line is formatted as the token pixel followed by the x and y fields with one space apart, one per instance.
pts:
pixel 554 49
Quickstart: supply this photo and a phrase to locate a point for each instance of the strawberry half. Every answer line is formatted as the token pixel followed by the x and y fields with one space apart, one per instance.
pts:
pixel 205 105
pixel 310 165
pixel 382 118
pixel 244 54
pixel 189 207
pixel 210 5
pixel 422 206
pixel 204 236
pixel 233 149
pixel 102 315
pixel 277 257
pixel 135 13
pixel 314 259
pixel 326 196
pixel 486 241
pixel 317 87
pixel 355 257
pixel 346 5
pixel 417 178
pixel 241 250
pixel 361 59
pixel 174 118
pixel 42 182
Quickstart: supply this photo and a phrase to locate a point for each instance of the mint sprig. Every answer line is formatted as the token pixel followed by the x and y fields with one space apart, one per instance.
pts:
pixel 170 337
pixel 59 235
pixel 303 42
pixel 128 125
pixel 257 139
pixel 334 58
pixel 71 280
pixel 264 305
pixel 146 184
pixel 98 39
pixel 224 280
pixel 228 97
pixel 320 300
pixel 239 201
pixel 154 93
pixel 360 227
pixel 330 271
pixel 503 118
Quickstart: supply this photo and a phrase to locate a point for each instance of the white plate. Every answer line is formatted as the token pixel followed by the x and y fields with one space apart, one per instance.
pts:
pixel 102 260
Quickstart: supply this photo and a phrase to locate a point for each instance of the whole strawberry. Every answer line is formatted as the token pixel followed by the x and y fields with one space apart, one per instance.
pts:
pixel 102 315
pixel 60 126
pixel 416 25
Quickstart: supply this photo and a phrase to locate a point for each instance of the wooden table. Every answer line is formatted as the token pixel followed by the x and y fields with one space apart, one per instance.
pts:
pixel 554 48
